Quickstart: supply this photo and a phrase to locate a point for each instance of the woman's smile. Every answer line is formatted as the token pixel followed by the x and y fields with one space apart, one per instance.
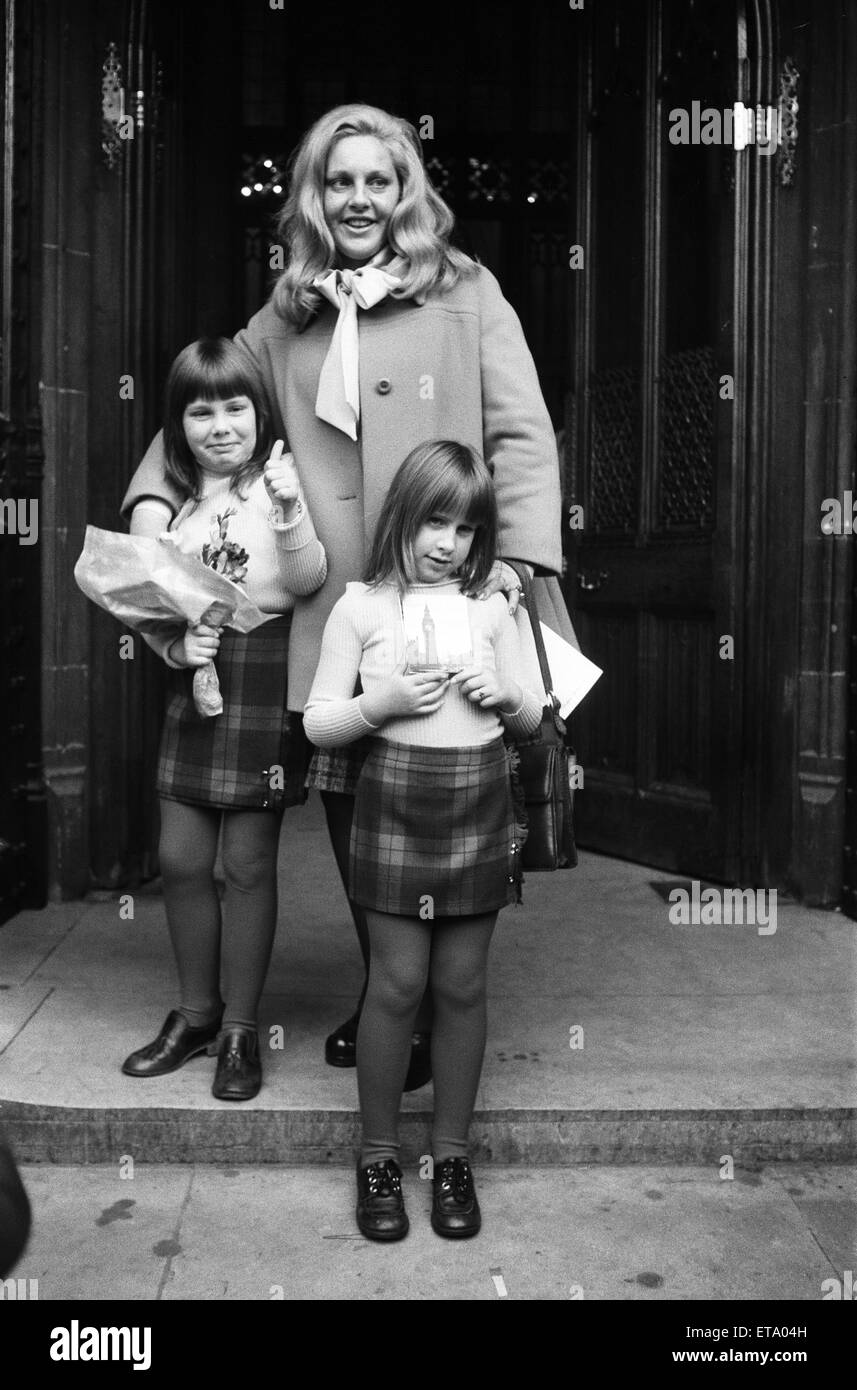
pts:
pixel 361 190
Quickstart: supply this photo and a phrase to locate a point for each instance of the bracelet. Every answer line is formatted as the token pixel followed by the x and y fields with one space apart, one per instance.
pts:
pixel 275 514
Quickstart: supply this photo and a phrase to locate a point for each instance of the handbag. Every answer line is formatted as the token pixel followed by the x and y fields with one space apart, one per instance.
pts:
pixel 545 762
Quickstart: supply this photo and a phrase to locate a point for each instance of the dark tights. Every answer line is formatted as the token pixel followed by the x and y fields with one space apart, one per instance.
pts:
pixel 452 955
pixel 339 811
pixel 242 946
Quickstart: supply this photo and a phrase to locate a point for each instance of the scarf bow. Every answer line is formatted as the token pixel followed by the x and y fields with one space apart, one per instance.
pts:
pixel 338 398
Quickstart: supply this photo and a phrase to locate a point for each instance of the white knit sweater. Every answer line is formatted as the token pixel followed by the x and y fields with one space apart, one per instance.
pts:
pixel 365 637
pixel 286 558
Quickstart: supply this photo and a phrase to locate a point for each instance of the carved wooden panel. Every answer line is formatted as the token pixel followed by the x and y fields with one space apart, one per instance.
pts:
pixel 684 652
pixel 605 729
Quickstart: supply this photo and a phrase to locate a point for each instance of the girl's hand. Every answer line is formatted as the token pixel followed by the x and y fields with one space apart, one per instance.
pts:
pixel 281 481
pixel 198 646
pixel 405 694
pixel 502 579
pixel 483 688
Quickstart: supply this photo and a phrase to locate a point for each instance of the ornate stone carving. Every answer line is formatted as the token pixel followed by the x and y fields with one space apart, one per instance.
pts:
pixel 112 106
pixel 787 153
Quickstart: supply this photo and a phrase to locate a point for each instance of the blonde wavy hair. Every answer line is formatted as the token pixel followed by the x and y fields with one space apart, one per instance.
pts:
pixel 418 230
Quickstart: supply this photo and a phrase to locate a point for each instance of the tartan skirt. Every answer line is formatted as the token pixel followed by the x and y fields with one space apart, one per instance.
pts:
pixel 338 769
pixel 434 831
pixel 254 755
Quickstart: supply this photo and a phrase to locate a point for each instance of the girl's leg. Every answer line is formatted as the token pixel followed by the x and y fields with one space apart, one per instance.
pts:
pixel 458 970
pixel 250 841
pixel 339 812
pixel 400 949
pixel 188 847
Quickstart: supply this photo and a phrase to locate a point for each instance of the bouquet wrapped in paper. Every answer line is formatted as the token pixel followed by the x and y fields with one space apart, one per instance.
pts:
pixel 147 582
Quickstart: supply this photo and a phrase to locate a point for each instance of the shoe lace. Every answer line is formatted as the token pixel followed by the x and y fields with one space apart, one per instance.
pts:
pixel 456 1177
pixel 383 1180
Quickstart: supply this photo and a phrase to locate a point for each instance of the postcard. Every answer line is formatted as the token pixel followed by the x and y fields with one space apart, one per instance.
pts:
pixel 437 632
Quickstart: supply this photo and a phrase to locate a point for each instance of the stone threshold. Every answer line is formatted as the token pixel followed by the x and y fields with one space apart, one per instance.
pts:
pixel 234 1135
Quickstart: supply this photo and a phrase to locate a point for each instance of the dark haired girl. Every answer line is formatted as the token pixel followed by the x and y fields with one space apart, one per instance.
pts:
pixel 222 770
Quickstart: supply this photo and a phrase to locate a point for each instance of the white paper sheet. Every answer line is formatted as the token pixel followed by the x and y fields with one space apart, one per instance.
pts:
pixel 573 673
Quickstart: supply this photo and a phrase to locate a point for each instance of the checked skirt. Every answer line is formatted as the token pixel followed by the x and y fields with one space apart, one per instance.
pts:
pixel 434 825
pixel 230 761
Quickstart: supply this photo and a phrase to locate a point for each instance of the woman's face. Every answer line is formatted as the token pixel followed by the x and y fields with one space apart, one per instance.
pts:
pixel 361 189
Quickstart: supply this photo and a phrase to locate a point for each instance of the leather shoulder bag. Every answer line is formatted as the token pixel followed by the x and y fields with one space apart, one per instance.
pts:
pixel 545 763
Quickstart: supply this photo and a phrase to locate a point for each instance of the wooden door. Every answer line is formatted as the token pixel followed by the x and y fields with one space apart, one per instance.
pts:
pixel 657 448
pixel 23 847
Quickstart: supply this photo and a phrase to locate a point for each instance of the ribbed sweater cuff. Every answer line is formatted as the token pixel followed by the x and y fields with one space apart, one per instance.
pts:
pixel 330 723
pixel 526 719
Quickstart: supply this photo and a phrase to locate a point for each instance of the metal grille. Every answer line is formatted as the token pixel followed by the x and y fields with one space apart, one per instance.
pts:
pixel 688 386
pixel 615 473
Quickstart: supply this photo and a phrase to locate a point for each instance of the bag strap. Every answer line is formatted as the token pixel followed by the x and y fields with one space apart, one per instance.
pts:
pixel 528 597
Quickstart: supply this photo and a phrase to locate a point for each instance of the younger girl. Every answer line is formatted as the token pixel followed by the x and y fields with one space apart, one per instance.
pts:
pixel 239 768
pixel 433 849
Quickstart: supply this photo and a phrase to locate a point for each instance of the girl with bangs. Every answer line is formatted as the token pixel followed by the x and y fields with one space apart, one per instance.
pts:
pixel 247 516
pixel 433 851
pixel 378 336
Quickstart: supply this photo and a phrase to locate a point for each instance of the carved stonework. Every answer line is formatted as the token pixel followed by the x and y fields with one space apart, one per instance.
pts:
pixel 263 176
pixel 489 180
pixel 440 171
pixel 787 154
pixel 112 106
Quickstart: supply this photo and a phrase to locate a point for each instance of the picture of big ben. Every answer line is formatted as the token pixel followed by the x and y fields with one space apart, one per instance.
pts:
pixel 430 647
pixel 437 632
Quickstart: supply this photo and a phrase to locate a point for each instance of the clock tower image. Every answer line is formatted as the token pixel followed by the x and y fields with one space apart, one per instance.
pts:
pixel 431 644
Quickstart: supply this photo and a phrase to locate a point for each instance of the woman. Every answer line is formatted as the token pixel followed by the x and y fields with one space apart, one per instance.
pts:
pixel 378 336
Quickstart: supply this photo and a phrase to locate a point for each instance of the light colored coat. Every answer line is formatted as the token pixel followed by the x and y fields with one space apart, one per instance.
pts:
pixel 455 366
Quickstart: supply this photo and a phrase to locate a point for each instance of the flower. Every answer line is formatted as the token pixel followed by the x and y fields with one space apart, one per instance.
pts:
pixel 225 556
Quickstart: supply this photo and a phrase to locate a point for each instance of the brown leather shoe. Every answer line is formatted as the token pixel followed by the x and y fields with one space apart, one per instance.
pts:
pixel 176 1043
pixel 239 1070
pixel 455 1211
pixel 381 1211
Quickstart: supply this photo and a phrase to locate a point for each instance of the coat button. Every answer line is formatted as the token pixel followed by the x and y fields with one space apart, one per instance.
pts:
pixel 384 386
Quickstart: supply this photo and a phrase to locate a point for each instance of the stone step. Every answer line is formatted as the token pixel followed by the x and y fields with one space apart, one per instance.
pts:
pixel 56 1134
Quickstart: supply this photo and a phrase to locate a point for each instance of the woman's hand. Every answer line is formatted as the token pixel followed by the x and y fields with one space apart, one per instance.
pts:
pixel 281 481
pixel 484 688
pixel 405 694
pixel 198 646
pixel 502 579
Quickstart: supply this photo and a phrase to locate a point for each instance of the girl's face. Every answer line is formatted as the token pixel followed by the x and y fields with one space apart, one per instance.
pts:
pixel 441 546
pixel 361 189
pixel 221 434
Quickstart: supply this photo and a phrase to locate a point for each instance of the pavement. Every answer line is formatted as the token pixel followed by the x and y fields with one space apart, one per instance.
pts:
pixel 666 1111
pixel 601 1232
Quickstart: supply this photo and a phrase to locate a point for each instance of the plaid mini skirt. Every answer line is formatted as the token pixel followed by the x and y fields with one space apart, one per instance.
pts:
pixel 254 755
pixel 338 769
pixel 434 831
